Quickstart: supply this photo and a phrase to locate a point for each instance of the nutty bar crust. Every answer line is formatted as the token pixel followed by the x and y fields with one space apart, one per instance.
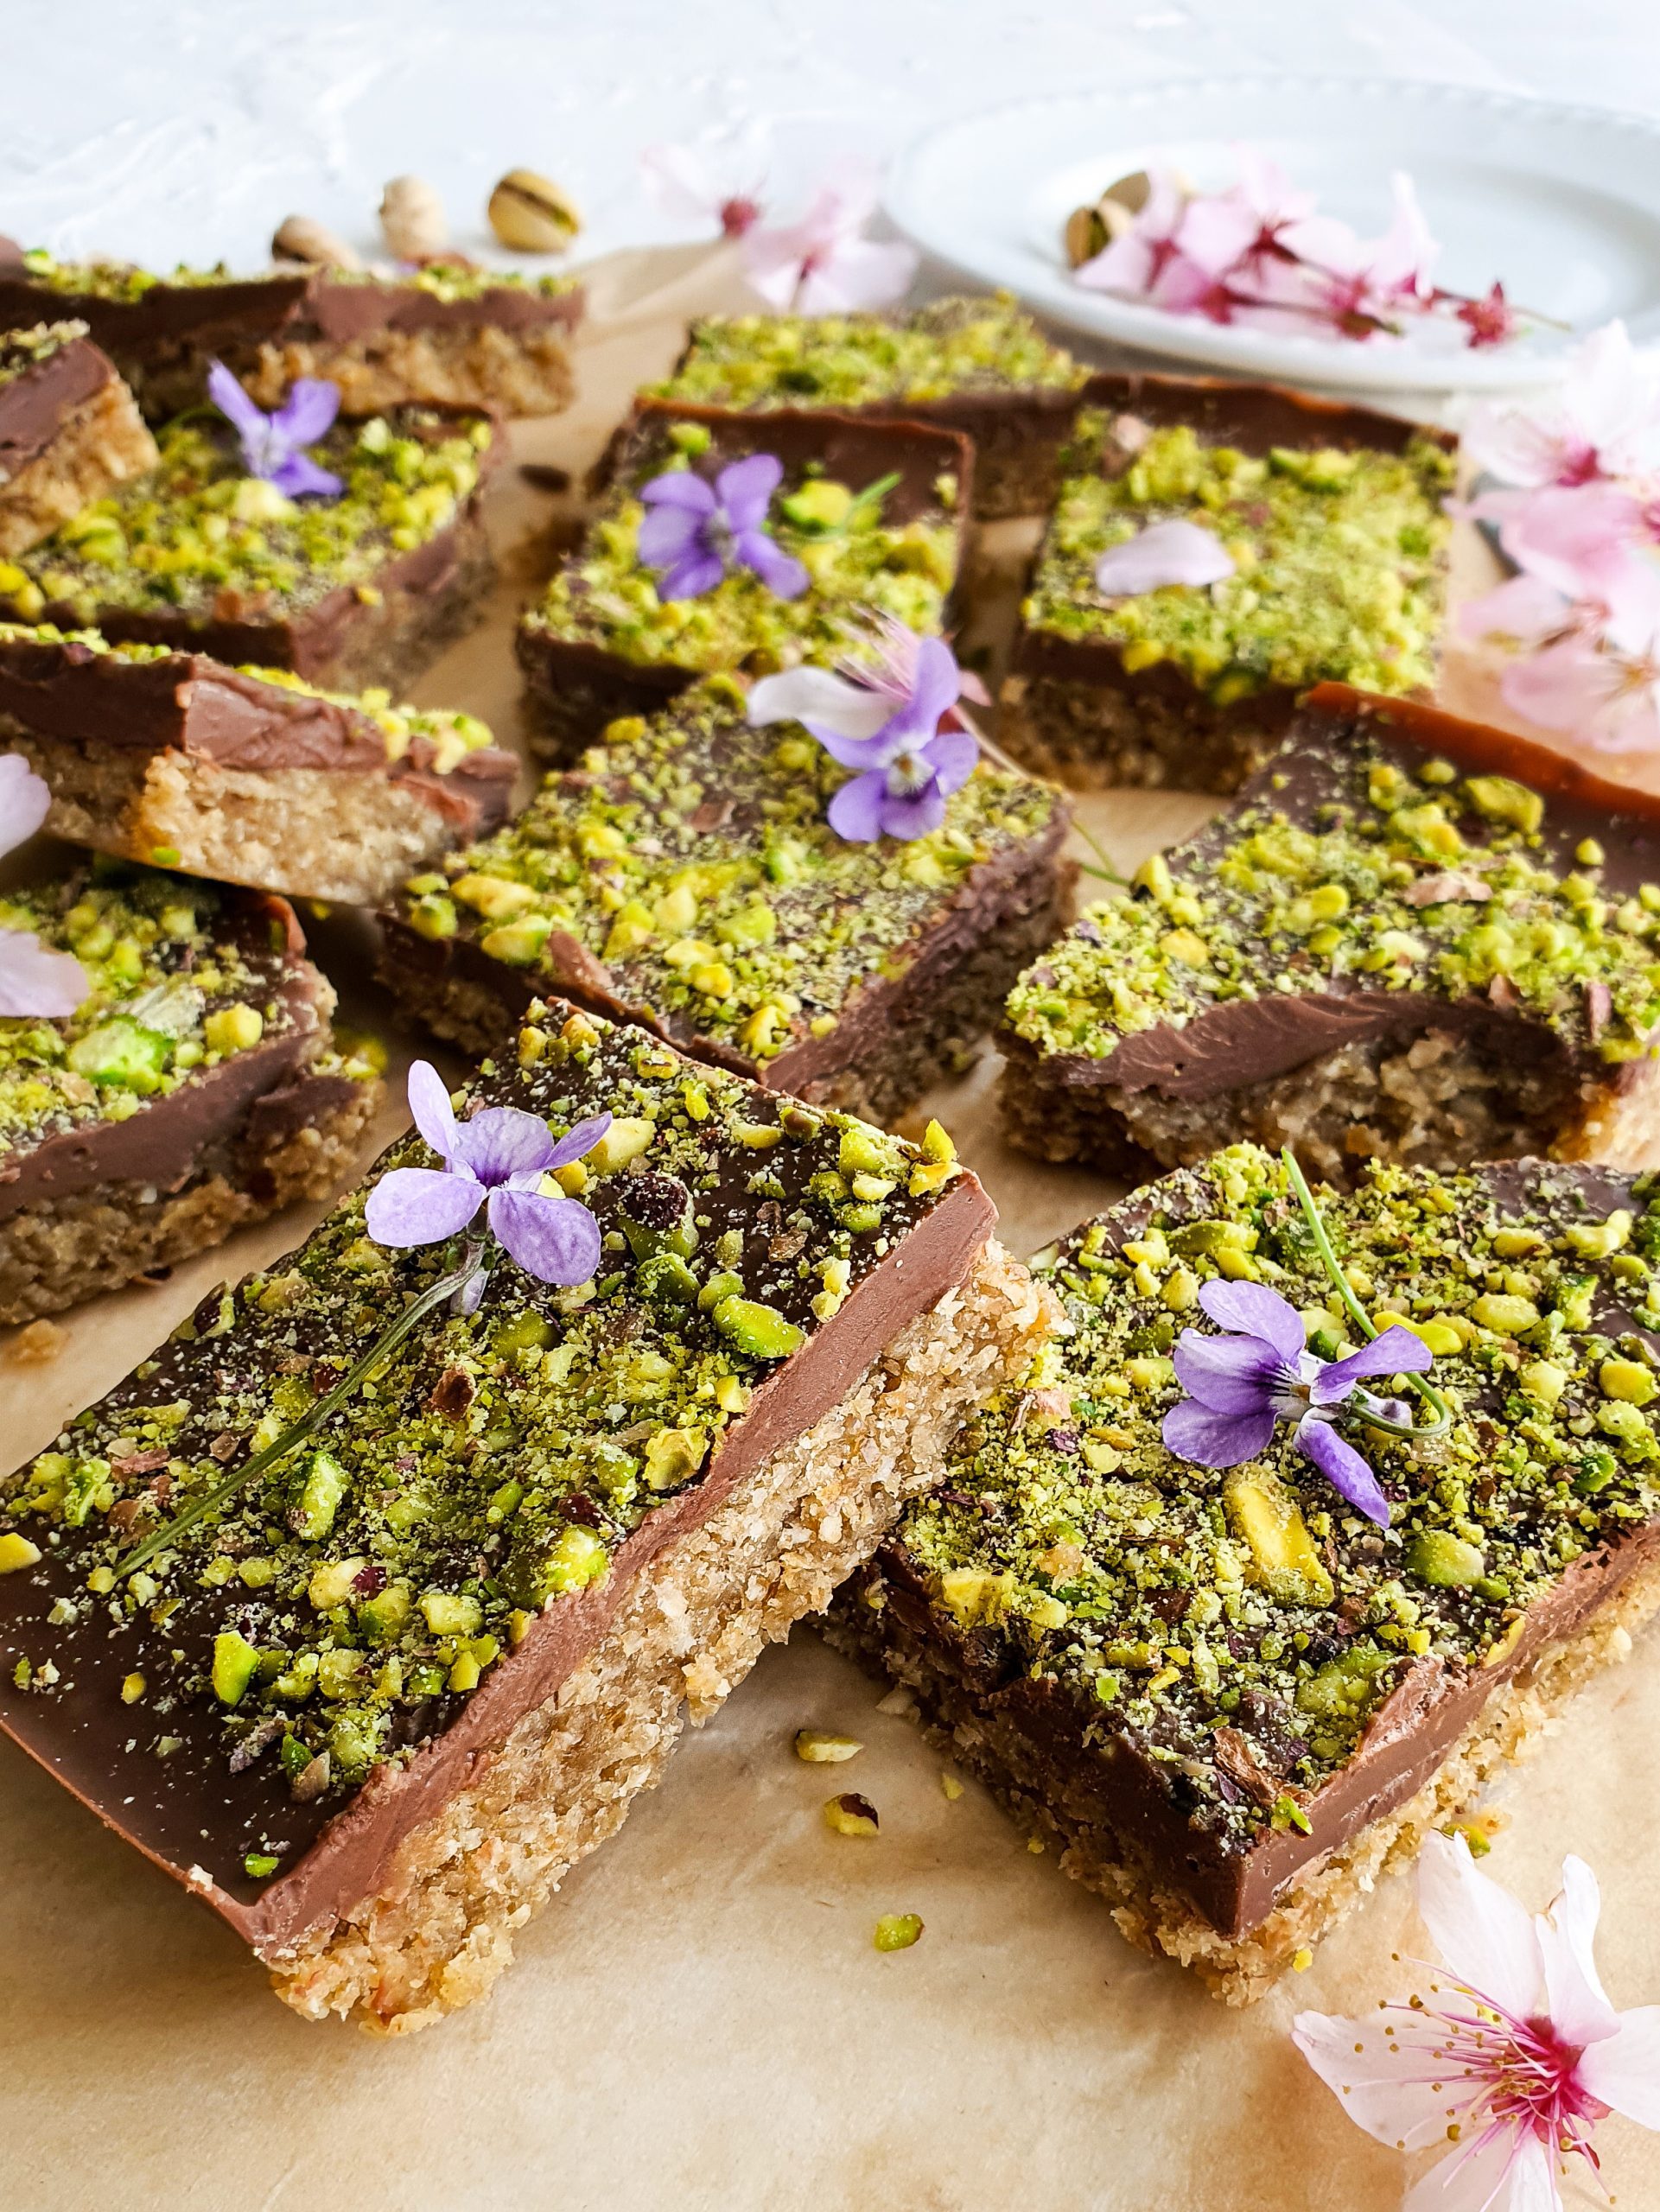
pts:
pixel 196 1088
pixel 686 878
pixel 361 590
pixel 344 1649
pixel 1332 514
pixel 69 431
pixel 979 366
pixel 599 646
pixel 1218 1688
pixel 440 336
pixel 244 775
pixel 1409 939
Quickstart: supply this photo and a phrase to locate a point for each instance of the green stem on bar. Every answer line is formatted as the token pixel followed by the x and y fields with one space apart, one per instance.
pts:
pixel 413 1314
pixel 1358 1312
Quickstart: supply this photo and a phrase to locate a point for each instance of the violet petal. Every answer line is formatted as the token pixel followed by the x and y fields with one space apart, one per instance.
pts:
pixel 1229 1375
pixel 36 983
pixel 855 812
pixel 691 577
pixel 666 533
pixel 1172 552
pixel 1343 1468
pixel 873 751
pixel 556 1239
pixel 1209 1439
pixel 1394 1350
pixel 250 423
pixel 782 574
pixel 576 1141
pixel 953 756
pixel 308 412
pixel 1254 1310
pixel 299 477
pixel 745 489
pixel 912 814
pixel 501 1141
pixel 680 487
pixel 434 1115
pixel 421 1205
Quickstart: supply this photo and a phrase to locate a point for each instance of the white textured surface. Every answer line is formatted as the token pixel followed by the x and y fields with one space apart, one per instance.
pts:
pixel 186 130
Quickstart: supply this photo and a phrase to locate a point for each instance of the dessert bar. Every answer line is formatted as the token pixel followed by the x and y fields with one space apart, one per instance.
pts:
pixel 68 431
pixel 443 334
pixel 980 366
pixel 197 1088
pixel 875 513
pixel 245 775
pixel 1231 1696
pixel 375 1704
pixel 1409 939
pixel 1325 548
pixel 685 877
pixel 352 591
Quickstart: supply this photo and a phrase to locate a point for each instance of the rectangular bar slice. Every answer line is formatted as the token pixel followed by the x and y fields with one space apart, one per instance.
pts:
pixel 444 334
pixel 374 1709
pixel 685 878
pixel 1231 1698
pixel 875 512
pixel 246 775
pixel 981 366
pixel 69 431
pixel 196 1089
pixel 1332 518
pixel 362 589
pixel 1409 939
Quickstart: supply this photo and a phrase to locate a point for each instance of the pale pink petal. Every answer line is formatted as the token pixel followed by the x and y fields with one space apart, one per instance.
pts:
pixel 1172 552
pixel 1524 608
pixel 680 181
pixel 1610 403
pixel 1214 230
pixel 1383 2081
pixel 1501 2172
pixel 24 801
pixel 857 273
pixel 1401 261
pixel 1578 537
pixel 1125 267
pixel 1568 686
pixel 1485 1936
pixel 1326 242
pixel 1624 2070
pixel 1580 2011
pixel 800 694
pixel 1517 446
pixel 773 260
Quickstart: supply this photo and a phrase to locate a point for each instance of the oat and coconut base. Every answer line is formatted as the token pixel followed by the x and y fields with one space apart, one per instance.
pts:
pixel 374 1704
pixel 1232 1695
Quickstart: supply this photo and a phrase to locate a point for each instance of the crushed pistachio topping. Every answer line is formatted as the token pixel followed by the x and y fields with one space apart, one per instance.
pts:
pixel 199 538
pixel 23 350
pixel 1239 1629
pixel 120 281
pixel 182 978
pixel 856 360
pixel 451 281
pixel 450 734
pixel 857 556
pixel 1338 560
pixel 340 1609
pixel 1396 872
pixel 691 854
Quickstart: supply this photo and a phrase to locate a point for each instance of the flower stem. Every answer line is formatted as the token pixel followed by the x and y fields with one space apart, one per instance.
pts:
pixel 1358 1312
pixel 413 1314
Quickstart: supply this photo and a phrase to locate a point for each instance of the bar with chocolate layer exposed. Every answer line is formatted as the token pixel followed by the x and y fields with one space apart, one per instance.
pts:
pixel 69 431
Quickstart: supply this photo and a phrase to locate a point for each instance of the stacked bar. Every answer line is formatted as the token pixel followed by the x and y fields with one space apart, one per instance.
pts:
pixel 69 431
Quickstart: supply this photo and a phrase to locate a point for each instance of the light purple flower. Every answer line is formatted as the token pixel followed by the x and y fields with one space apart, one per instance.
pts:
pixel 697 532
pixel 911 764
pixel 35 983
pixel 273 445
pixel 1240 1386
pixel 1172 552
pixel 496 1160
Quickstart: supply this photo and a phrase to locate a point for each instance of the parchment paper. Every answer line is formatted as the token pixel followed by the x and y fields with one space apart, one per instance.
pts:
pixel 701 2021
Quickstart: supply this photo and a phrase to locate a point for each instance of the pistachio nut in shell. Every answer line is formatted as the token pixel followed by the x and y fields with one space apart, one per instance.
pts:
pixel 530 214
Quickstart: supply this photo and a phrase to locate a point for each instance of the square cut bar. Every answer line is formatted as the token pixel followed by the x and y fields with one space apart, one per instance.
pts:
pixel 374 1711
pixel 444 334
pixel 197 1088
pixel 1409 938
pixel 686 878
pixel 1231 1700
pixel 981 366
pixel 245 775
pixel 69 431
pixel 1332 515
pixel 364 589
pixel 600 646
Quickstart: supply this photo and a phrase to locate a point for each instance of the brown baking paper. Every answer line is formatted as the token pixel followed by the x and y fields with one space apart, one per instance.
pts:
pixel 700 2019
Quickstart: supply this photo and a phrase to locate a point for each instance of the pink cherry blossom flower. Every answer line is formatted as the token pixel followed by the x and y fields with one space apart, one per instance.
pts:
pixel 1598 683
pixel 1172 552
pixel 1236 233
pixel 1603 421
pixel 823 265
pixel 1586 540
pixel 36 982
pixel 1148 262
pixel 1356 288
pixel 1514 2055
pixel 707 188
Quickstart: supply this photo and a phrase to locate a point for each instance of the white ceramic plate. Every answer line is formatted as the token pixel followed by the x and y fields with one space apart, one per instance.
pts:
pixel 1563 204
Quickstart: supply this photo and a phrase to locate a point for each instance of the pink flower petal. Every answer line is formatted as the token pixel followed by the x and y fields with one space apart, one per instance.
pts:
pixel 24 801
pixel 1501 2172
pixel 36 982
pixel 1524 608
pixel 1580 2011
pixel 1165 553
pixel 1485 1936
pixel 1623 2071
pixel 1380 2069
pixel 857 273
pixel 818 694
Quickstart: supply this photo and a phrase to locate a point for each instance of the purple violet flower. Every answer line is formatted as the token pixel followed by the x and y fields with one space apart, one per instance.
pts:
pixel 36 982
pixel 496 1160
pixel 911 764
pixel 272 445
pixel 697 532
pixel 1242 1385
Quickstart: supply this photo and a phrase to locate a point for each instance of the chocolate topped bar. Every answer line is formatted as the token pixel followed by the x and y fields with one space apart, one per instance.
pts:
pixel 282 1704
pixel 686 877
pixel 1410 937
pixel 443 334
pixel 1232 1693
pixel 981 366
pixel 1328 533
pixel 196 1087
pixel 68 431
pixel 202 557
pixel 244 775
pixel 876 512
